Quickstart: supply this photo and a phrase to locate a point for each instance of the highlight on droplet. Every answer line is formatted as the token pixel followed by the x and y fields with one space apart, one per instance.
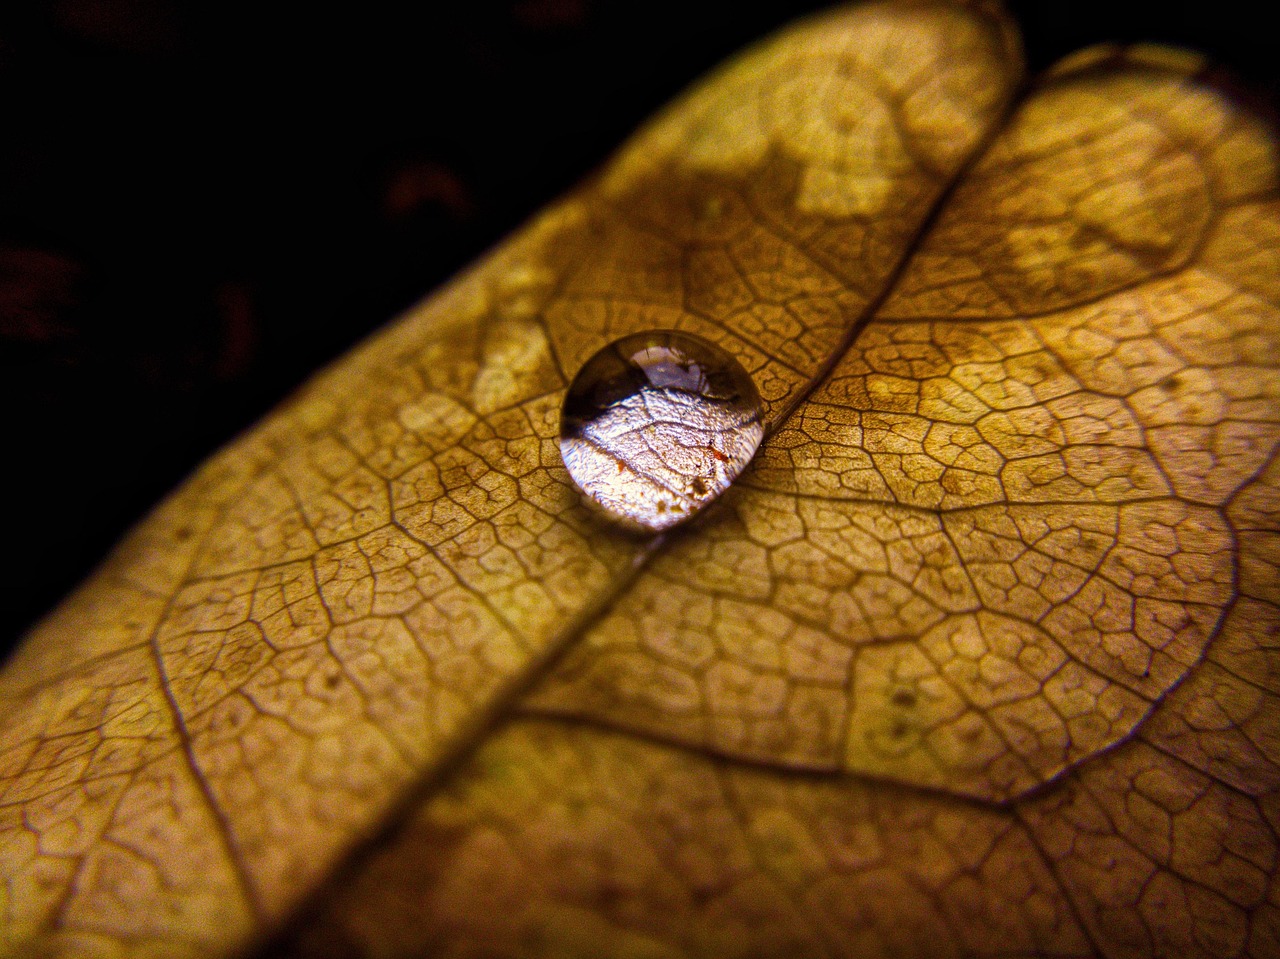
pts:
pixel 657 425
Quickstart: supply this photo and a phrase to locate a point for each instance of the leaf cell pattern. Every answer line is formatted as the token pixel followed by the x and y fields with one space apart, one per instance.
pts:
pixel 978 658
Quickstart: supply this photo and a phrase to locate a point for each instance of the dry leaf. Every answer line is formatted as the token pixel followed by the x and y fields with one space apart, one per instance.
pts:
pixel 978 658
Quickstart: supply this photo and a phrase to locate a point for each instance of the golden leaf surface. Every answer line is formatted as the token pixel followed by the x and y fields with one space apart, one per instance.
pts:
pixel 978 657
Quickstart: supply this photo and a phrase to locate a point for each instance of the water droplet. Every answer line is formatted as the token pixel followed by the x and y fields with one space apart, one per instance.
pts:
pixel 657 425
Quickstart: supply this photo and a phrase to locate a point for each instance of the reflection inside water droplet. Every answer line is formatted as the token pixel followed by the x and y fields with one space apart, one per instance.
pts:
pixel 657 425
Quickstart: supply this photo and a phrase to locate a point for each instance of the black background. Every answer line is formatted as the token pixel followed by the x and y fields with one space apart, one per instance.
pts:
pixel 201 204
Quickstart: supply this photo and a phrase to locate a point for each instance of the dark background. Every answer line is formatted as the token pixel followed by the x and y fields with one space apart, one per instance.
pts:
pixel 200 204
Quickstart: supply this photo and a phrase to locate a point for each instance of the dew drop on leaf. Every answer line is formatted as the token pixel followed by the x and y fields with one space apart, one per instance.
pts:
pixel 657 425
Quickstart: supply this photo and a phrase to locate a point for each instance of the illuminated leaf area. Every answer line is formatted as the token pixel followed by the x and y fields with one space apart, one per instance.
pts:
pixel 977 658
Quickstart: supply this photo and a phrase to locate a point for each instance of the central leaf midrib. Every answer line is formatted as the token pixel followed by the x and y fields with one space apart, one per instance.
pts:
pixel 474 733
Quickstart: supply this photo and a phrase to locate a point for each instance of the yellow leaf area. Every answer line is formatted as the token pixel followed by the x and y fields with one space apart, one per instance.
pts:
pixel 981 656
